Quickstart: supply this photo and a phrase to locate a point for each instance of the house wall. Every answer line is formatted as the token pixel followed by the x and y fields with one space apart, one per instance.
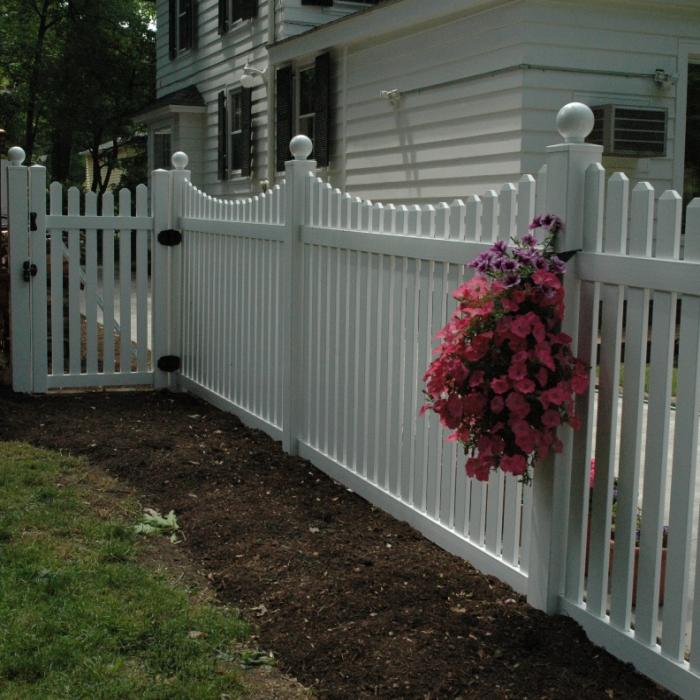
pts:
pixel 455 131
pixel 606 40
pixel 476 107
pixel 216 64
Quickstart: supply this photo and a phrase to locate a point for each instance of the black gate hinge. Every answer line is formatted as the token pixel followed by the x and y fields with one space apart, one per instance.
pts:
pixel 169 363
pixel 170 237
pixel 29 270
pixel 32 221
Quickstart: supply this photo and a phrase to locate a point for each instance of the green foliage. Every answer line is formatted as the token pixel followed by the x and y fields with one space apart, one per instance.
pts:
pixel 80 617
pixel 72 73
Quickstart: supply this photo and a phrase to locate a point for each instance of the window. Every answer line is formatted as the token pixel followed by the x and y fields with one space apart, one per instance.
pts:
pixel 161 149
pixel 236 112
pixel 304 105
pixel 235 133
pixel 182 18
pixel 231 11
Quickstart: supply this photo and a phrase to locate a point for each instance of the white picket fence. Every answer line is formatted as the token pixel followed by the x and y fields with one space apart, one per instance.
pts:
pixel 311 315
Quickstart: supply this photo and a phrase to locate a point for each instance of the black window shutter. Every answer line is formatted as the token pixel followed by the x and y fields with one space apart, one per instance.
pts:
pixel 320 3
pixel 249 9
pixel 323 99
pixel 223 16
pixel 223 129
pixel 246 130
pixel 172 28
pixel 284 115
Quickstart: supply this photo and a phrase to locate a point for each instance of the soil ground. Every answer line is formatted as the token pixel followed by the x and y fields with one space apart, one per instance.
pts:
pixel 351 602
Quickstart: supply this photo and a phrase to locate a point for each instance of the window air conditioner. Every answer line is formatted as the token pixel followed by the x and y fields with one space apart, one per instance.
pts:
pixel 630 131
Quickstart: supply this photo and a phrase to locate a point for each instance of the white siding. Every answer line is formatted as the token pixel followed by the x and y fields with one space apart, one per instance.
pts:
pixel 216 64
pixel 441 141
pixel 475 112
pixel 616 40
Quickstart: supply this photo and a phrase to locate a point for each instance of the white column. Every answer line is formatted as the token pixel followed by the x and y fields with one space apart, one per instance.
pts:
pixel 167 193
pixel 20 306
pixel 567 164
pixel 297 195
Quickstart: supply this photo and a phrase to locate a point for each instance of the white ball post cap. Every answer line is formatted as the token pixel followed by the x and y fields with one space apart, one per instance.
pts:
pixel 575 121
pixel 16 155
pixel 180 159
pixel 300 147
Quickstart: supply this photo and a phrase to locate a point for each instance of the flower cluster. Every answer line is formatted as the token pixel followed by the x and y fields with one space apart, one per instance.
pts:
pixel 504 377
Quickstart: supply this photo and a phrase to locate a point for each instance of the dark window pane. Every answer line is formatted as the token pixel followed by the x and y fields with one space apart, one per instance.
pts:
pixel 306 126
pixel 161 150
pixel 236 112
pixel 306 91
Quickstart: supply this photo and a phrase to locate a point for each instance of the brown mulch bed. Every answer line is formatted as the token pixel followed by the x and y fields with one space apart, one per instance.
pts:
pixel 353 603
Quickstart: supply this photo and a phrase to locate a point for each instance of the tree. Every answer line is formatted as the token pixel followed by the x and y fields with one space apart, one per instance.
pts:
pixel 76 70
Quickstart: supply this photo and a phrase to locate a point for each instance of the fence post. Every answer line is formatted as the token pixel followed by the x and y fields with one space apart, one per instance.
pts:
pixel 20 290
pixel 166 195
pixel 37 253
pixel 296 202
pixel 567 164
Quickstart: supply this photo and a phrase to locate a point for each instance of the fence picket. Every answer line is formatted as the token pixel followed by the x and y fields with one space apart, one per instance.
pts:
pixel 108 287
pixel 685 450
pixel 610 340
pixel 56 207
pixel 506 212
pixel 91 286
pixel 526 203
pixel 142 237
pixel 74 330
pixel 654 491
pixel 124 285
pixel 489 217
pixel 474 217
pixel 642 220
pixel 455 215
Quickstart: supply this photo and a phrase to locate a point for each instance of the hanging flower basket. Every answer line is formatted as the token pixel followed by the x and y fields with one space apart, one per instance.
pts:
pixel 504 377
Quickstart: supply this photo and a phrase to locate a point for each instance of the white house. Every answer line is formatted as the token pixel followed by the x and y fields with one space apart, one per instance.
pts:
pixel 409 100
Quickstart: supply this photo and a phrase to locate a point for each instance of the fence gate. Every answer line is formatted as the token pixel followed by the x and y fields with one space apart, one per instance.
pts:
pixel 81 276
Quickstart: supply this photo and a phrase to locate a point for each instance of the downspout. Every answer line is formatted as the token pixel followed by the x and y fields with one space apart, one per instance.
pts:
pixel 270 87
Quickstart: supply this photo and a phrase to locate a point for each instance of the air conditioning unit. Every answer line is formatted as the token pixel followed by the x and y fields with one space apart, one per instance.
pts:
pixel 630 131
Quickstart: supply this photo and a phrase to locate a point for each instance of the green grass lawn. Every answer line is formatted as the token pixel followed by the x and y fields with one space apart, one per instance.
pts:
pixel 79 617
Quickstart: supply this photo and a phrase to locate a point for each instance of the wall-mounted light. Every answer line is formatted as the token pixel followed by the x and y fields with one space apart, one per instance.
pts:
pixel 251 75
pixel 394 97
pixel 664 79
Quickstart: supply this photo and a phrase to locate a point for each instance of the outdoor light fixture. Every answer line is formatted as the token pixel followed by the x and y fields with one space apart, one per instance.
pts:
pixel 394 97
pixel 664 79
pixel 250 76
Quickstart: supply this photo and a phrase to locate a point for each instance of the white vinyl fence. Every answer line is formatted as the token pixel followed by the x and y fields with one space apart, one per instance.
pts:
pixel 311 314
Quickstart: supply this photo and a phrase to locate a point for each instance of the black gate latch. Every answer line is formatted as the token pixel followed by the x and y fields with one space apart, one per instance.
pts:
pixel 28 270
